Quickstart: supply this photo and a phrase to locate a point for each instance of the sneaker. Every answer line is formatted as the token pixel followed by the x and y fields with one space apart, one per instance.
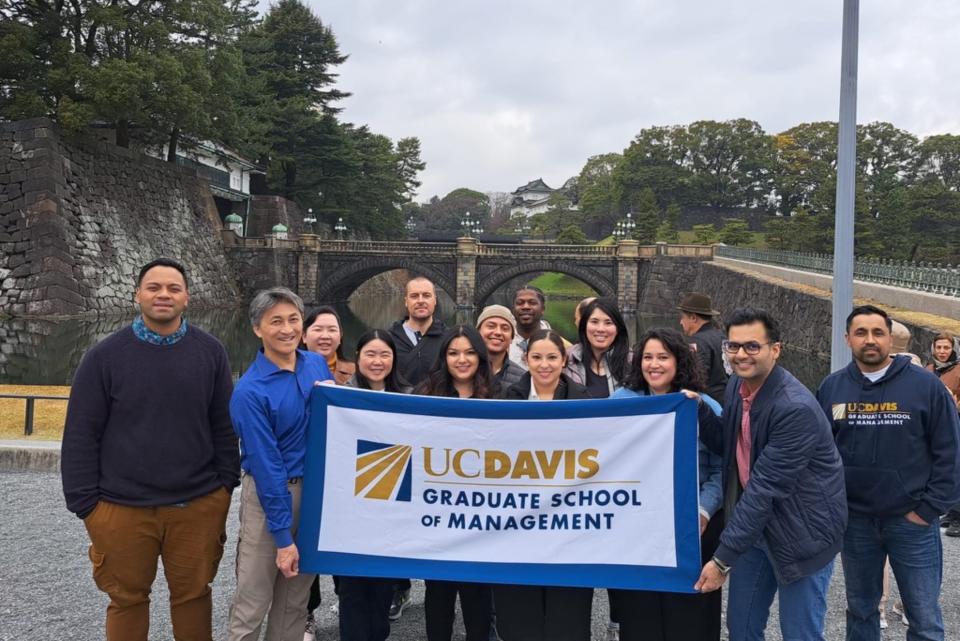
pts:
pixel 954 529
pixel 400 600
pixel 310 632
pixel 613 631
pixel 883 621
pixel 946 520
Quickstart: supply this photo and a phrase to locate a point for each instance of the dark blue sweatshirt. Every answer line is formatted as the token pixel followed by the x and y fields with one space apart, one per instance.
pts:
pixel 899 438
pixel 148 424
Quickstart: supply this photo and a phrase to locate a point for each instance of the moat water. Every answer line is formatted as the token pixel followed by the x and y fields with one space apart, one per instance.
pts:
pixel 38 352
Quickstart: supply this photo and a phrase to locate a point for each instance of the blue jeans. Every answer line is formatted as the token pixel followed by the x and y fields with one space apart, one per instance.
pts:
pixel 916 556
pixel 803 603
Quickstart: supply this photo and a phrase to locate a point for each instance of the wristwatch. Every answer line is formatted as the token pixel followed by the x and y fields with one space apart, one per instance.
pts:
pixel 723 567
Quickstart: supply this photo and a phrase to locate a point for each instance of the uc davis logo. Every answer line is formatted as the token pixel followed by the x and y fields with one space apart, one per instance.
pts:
pixel 839 411
pixel 383 471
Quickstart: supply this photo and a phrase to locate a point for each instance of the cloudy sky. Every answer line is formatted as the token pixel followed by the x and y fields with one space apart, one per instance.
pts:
pixel 502 92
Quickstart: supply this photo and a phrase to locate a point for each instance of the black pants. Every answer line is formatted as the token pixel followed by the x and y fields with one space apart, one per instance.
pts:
pixel 671 616
pixel 315 596
pixel 364 607
pixel 534 613
pixel 440 608
pixel 402 584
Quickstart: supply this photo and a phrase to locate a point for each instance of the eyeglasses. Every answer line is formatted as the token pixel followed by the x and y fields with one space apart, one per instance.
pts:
pixel 752 347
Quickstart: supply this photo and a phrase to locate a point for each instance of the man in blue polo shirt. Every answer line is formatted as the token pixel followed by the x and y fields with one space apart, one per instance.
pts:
pixel 270 411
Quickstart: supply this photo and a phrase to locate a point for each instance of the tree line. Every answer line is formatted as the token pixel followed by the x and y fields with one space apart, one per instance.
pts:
pixel 907 190
pixel 178 72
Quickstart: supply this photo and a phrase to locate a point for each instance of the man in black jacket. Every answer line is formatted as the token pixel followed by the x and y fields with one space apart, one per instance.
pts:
pixel 697 321
pixel 784 494
pixel 418 336
pixel 150 458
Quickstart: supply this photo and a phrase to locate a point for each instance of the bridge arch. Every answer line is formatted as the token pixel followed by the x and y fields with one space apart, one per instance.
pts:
pixel 341 282
pixel 494 280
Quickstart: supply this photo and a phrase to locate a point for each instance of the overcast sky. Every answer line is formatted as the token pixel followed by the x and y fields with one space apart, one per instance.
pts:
pixel 502 92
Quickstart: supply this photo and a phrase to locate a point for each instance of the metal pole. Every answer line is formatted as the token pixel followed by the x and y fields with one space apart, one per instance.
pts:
pixel 843 258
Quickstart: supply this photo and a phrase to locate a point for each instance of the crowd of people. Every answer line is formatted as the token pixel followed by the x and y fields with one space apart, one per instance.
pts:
pixel 157 437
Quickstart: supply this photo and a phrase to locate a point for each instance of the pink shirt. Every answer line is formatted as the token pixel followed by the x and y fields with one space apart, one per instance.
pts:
pixel 745 439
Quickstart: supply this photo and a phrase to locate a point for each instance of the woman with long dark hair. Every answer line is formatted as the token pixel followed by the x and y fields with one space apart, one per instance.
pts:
pixel 663 363
pixel 530 611
pixel 376 359
pixel 599 361
pixel 462 370
pixel 365 601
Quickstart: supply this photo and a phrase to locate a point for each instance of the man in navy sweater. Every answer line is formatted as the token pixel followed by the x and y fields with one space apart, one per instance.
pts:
pixel 271 411
pixel 149 459
pixel 897 430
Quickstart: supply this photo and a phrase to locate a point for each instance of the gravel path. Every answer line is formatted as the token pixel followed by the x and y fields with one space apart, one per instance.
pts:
pixel 46 591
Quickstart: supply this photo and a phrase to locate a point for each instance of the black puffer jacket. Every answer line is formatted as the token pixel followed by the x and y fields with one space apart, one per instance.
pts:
pixel 416 361
pixel 566 390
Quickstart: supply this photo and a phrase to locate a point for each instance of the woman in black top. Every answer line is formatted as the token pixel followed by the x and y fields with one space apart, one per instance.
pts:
pixel 531 612
pixel 365 601
pixel 462 370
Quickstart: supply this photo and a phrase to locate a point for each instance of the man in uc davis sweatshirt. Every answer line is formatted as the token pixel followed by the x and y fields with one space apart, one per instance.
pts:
pixel 149 459
pixel 271 411
pixel 897 430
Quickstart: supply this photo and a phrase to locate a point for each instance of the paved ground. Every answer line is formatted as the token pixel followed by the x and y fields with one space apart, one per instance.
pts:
pixel 46 591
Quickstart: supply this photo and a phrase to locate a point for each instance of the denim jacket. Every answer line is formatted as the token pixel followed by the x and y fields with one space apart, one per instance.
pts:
pixel 710 464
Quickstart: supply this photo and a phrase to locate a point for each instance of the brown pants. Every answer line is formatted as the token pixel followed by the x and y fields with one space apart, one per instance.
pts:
pixel 125 545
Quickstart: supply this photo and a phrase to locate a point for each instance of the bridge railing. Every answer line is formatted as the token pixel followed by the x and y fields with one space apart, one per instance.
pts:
pixel 924 277
pixel 391 247
pixel 492 249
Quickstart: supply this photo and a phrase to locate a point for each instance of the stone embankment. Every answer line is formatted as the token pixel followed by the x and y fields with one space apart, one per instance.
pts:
pixel 79 218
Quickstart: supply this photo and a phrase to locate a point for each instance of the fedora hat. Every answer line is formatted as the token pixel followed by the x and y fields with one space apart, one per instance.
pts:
pixel 696 303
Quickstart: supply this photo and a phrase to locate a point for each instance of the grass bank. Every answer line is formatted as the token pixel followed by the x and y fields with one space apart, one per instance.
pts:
pixel 48 417
pixel 561 285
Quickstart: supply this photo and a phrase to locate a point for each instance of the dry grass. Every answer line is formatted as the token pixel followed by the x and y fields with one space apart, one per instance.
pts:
pixel 48 415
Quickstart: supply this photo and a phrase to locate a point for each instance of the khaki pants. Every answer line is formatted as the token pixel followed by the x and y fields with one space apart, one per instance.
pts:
pixel 261 587
pixel 125 545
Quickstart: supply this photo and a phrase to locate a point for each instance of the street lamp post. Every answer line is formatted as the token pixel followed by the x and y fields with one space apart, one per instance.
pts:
pixel 340 227
pixel 624 228
pixel 411 225
pixel 310 220
pixel 466 224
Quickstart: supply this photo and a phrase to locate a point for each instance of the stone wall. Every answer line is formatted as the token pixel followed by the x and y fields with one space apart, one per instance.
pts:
pixel 664 280
pixel 260 268
pixel 78 219
pixel 804 316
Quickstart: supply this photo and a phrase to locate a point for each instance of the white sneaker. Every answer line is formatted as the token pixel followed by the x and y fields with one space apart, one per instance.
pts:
pixel 613 631
pixel 883 621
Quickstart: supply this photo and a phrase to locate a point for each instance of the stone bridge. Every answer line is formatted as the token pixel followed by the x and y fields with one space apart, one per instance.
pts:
pixel 468 270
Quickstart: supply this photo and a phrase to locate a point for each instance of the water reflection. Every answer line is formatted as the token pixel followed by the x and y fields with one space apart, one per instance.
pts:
pixel 37 352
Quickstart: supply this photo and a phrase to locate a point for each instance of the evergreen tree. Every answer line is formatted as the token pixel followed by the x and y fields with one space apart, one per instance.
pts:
pixel 646 217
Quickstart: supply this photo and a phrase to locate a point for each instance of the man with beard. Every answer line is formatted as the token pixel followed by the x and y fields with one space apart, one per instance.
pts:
pixel 897 430
pixel 783 489
pixel 529 304
pixel 418 335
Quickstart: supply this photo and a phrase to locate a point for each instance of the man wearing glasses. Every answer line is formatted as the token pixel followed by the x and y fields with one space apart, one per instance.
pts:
pixel 784 491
